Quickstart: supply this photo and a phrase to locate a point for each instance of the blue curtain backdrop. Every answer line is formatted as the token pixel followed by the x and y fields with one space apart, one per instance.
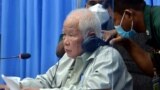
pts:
pixel 153 2
pixel 31 26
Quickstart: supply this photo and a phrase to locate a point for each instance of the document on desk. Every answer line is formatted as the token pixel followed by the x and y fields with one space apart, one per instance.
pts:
pixel 12 82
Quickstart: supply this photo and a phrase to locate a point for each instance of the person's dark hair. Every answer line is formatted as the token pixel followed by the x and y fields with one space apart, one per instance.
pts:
pixel 121 5
pixel 93 2
pixel 108 3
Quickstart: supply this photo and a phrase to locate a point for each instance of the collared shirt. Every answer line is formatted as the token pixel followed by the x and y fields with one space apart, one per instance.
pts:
pixel 102 69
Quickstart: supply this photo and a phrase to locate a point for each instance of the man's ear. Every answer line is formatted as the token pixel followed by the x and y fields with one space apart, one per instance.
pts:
pixel 129 14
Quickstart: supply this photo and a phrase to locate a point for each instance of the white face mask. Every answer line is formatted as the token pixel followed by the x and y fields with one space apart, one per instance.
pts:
pixel 102 13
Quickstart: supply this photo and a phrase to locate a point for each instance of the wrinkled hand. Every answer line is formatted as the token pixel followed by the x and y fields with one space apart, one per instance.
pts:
pixel 108 34
pixel 4 87
pixel 30 89
pixel 111 36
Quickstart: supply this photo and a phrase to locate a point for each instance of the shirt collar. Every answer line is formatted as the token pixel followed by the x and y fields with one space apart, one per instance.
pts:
pixel 88 56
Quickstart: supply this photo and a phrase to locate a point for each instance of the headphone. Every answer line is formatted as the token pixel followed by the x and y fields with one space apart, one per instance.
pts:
pixel 91 43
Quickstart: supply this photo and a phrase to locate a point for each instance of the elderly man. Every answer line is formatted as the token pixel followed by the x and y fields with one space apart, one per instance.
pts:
pixel 79 69
pixel 104 13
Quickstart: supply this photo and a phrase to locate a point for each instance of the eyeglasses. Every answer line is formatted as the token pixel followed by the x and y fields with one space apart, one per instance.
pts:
pixel 93 2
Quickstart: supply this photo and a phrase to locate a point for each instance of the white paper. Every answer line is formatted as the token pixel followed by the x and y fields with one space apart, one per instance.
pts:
pixel 12 82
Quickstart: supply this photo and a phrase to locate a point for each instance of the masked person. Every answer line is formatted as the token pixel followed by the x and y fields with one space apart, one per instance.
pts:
pixel 133 21
pixel 78 69
pixel 138 18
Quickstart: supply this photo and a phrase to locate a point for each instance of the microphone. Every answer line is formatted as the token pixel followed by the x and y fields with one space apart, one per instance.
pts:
pixel 20 56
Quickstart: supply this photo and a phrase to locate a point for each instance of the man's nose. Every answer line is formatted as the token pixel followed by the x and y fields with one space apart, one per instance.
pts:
pixel 66 41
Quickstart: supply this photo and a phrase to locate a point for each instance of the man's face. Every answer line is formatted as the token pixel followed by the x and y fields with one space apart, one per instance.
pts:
pixel 72 39
pixel 137 17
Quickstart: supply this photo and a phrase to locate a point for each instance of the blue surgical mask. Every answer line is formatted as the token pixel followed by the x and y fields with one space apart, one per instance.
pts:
pixel 125 34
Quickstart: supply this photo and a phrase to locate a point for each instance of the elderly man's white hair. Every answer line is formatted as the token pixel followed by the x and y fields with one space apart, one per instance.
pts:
pixel 87 21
